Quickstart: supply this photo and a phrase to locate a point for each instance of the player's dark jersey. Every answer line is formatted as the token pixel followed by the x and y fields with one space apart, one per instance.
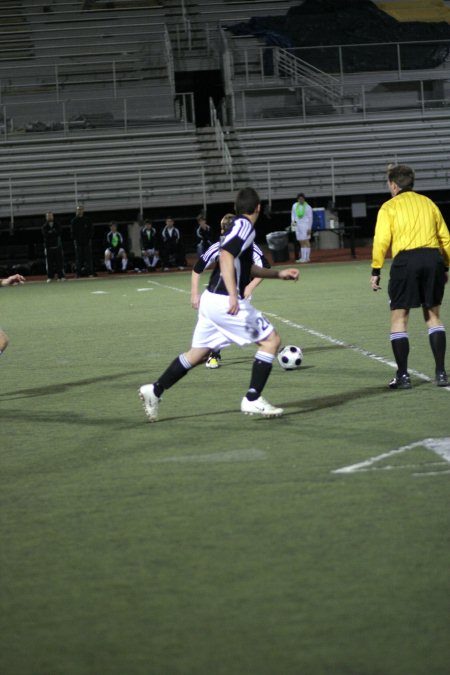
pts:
pixel 114 241
pixel 148 236
pixel 237 241
pixel 211 256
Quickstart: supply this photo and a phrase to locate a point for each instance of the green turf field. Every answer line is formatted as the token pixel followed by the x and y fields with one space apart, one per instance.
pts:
pixel 211 543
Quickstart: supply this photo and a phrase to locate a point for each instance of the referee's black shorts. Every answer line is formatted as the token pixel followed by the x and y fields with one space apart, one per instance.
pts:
pixel 417 279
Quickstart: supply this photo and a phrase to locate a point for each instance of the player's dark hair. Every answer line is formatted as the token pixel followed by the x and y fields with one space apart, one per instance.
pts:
pixel 300 194
pixel 402 175
pixel 247 200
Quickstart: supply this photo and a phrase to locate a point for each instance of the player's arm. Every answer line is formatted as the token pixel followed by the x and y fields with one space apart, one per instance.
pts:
pixel 289 274
pixel 229 279
pixel 195 296
pixel 381 243
pixel 248 291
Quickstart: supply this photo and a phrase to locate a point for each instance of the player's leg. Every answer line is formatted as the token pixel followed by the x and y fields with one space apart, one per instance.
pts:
pixel 108 259
pixel 150 394
pixel 306 250
pixel 124 258
pixel 146 257
pixel 400 348
pixel 438 342
pixel 253 402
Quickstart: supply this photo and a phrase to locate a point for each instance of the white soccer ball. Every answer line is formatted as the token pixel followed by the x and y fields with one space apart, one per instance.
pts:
pixel 290 357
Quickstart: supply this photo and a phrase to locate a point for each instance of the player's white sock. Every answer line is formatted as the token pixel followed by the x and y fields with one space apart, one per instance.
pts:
pixel 147 261
pixel 124 264
pixel 108 265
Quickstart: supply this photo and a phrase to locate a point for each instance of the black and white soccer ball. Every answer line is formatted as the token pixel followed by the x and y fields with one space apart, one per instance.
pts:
pixel 290 357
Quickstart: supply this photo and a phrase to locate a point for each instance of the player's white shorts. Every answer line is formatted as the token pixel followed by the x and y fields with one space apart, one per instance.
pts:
pixel 216 328
pixel 301 231
pixel 120 253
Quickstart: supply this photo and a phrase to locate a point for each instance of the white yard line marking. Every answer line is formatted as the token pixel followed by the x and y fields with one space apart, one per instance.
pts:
pixel 171 288
pixel 354 348
pixel 325 337
pixel 249 455
pixel 440 446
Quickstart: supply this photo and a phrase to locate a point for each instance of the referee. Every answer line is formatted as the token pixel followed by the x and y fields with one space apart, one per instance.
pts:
pixel 413 227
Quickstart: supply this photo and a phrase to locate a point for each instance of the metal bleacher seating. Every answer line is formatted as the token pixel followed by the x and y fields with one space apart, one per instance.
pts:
pixel 91 113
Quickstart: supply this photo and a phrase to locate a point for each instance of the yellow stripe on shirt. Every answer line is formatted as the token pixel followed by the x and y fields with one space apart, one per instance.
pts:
pixel 409 220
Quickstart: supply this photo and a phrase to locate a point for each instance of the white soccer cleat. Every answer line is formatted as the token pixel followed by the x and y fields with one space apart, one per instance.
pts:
pixel 150 401
pixel 260 407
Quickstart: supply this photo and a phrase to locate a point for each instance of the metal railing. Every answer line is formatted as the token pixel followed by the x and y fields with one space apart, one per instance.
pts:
pixel 227 160
pixel 117 114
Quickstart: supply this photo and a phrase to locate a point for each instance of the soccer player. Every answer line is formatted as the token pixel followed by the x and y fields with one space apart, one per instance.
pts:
pixel 115 248
pixel 412 225
pixel 149 245
pixel 225 316
pixel 211 257
pixel 302 219
pixel 9 281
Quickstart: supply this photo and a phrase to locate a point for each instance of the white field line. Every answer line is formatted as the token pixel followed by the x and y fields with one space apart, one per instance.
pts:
pixel 354 348
pixel 325 337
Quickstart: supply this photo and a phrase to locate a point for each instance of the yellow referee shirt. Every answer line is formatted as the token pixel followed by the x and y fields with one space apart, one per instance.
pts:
pixel 409 220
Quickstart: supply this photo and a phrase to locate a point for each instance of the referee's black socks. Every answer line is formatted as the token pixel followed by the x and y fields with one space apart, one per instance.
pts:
pixel 438 344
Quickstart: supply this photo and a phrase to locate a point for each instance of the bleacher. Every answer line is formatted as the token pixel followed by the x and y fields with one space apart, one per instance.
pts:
pixel 90 111
pixel 344 159
pixel 103 171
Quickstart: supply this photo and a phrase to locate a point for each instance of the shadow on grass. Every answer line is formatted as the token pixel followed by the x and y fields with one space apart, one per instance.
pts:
pixel 62 387
pixel 335 400
pixel 306 406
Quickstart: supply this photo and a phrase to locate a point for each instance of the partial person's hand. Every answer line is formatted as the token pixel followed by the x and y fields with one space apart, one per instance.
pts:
pixel 234 305
pixel 195 301
pixel 13 280
pixel 290 274
pixel 375 283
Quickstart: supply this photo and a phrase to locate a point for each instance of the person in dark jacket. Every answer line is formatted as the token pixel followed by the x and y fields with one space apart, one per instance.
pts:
pixel 115 248
pixel 204 235
pixel 81 230
pixel 53 250
pixel 149 245
pixel 172 249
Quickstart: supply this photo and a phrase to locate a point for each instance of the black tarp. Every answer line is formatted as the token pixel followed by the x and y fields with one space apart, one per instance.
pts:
pixel 350 22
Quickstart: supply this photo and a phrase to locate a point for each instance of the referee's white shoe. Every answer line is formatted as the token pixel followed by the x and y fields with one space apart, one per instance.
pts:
pixel 150 401
pixel 260 407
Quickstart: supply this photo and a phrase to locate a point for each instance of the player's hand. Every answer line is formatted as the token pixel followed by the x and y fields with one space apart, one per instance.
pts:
pixel 233 308
pixel 290 274
pixel 195 301
pixel 13 279
pixel 375 283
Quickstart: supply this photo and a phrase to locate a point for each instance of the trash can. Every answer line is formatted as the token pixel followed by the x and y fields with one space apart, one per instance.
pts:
pixel 319 219
pixel 278 243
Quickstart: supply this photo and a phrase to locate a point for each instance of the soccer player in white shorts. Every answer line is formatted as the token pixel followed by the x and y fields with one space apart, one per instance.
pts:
pixel 225 316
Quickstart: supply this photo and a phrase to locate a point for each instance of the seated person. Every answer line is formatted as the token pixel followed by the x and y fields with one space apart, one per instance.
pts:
pixel 115 248
pixel 149 245
pixel 172 249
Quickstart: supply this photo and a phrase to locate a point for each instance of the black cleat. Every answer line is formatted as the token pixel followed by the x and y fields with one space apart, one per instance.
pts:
pixel 442 379
pixel 400 382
